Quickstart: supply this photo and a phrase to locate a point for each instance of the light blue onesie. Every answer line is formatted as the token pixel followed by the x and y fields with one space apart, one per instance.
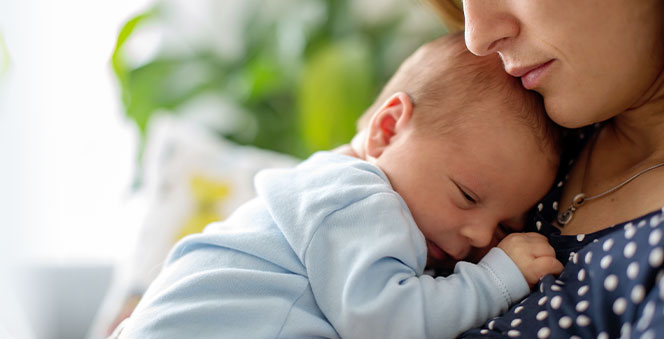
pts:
pixel 327 249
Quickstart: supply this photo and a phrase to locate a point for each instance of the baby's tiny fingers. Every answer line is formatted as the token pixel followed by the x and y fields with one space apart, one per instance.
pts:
pixel 548 265
pixel 542 250
pixel 536 237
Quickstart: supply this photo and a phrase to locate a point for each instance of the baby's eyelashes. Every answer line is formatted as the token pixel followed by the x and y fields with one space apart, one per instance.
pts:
pixel 469 197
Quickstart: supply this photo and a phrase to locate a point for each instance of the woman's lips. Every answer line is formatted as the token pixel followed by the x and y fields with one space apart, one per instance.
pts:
pixel 531 76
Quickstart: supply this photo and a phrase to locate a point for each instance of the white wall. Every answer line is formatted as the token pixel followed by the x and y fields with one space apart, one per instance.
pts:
pixel 67 151
pixel 66 163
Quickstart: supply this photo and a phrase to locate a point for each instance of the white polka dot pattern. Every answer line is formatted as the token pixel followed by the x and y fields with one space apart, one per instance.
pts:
pixel 541 315
pixel 607 244
pixel 543 333
pixel 655 237
pixel 619 306
pixel 565 322
pixel 581 275
pixel 582 306
pixel 619 272
pixel 655 258
pixel 555 302
pixel 633 270
pixel 583 320
pixel 611 282
pixel 612 285
pixel 542 300
pixel 638 292
pixel 630 249
pixel 606 261
pixel 629 231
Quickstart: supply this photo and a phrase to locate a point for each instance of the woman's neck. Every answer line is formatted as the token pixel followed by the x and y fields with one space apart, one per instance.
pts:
pixel 626 145
pixel 638 131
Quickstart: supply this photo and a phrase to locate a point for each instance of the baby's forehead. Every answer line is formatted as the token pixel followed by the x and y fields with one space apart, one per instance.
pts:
pixel 487 99
pixel 493 124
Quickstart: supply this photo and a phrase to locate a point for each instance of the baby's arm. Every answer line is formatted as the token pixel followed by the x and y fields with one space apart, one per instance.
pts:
pixel 365 270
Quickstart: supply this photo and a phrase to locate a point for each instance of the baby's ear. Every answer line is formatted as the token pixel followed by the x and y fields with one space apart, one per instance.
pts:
pixel 388 120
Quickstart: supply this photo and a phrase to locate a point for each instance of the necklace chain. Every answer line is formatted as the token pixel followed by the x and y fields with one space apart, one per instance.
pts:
pixel 611 190
pixel 566 216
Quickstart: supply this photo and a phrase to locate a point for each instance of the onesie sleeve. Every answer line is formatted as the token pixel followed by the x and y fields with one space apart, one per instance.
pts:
pixel 365 271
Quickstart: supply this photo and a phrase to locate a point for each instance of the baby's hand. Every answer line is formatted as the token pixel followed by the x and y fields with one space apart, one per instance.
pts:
pixel 345 150
pixel 533 255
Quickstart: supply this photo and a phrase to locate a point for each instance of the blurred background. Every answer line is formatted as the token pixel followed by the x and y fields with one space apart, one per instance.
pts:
pixel 126 125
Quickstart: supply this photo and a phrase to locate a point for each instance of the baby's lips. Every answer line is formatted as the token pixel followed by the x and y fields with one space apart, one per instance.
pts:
pixel 439 260
pixel 435 251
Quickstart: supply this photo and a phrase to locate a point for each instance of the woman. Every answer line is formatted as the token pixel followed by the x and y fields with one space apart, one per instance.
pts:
pixel 598 64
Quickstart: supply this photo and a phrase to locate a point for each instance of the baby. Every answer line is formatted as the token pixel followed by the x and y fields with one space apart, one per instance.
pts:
pixel 451 156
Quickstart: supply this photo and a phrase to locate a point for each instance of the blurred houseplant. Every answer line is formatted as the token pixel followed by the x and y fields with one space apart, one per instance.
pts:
pixel 286 75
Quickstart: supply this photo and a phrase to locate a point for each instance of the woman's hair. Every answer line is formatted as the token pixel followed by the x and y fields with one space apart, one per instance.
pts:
pixel 451 12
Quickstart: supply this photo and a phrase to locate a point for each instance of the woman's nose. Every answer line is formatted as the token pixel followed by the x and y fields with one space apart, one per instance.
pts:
pixel 489 24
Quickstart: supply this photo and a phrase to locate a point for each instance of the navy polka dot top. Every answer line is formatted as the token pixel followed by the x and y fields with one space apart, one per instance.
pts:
pixel 611 285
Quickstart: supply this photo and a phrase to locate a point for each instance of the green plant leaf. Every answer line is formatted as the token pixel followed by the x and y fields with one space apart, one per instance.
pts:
pixel 118 61
pixel 336 87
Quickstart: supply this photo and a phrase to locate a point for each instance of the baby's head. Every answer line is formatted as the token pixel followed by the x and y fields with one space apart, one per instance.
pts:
pixel 468 149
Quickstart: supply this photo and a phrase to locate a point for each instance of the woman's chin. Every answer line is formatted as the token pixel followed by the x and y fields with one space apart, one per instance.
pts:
pixel 570 115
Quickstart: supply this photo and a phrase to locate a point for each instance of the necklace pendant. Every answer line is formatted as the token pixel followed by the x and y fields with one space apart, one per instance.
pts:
pixel 565 217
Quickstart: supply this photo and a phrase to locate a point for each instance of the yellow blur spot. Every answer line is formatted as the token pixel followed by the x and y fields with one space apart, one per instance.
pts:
pixel 208 193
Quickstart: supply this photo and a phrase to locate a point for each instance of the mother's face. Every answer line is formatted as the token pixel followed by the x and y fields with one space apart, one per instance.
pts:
pixel 590 59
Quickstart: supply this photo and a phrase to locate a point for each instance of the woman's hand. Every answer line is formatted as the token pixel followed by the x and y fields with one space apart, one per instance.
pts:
pixel 533 255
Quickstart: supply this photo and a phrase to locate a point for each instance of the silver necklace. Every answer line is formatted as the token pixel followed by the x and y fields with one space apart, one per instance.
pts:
pixel 565 217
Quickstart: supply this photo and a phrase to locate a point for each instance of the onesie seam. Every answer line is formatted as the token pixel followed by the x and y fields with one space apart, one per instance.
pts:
pixel 504 291
pixel 313 235
pixel 304 290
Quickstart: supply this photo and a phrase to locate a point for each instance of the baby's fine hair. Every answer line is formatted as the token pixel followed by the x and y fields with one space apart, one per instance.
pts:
pixel 444 81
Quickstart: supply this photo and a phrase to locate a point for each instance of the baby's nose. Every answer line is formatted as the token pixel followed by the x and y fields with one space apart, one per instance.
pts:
pixel 479 235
